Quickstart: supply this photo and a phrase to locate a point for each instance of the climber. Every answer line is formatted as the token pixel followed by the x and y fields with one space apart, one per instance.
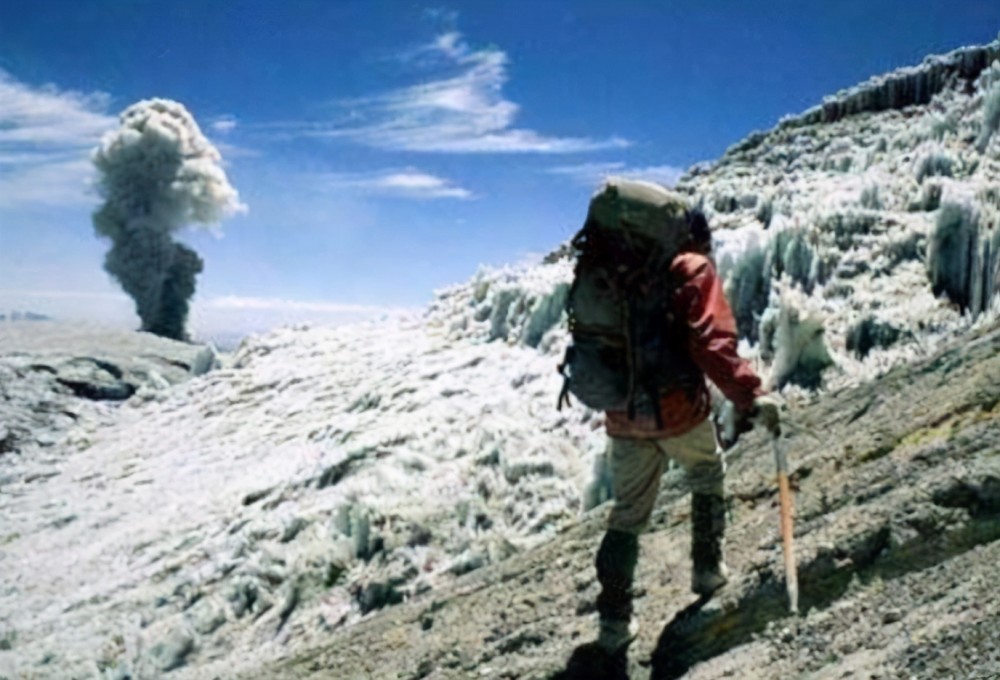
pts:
pixel 645 257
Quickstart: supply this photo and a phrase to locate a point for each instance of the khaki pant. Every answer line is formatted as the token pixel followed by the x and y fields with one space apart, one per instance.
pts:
pixel 636 466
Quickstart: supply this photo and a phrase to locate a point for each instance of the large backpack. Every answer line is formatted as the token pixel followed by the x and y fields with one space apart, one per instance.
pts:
pixel 626 345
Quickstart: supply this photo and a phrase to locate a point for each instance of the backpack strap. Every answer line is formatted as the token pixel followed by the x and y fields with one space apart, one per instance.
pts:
pixel 652 393
pixel 630 355
pixel 564 393
pixel 648 384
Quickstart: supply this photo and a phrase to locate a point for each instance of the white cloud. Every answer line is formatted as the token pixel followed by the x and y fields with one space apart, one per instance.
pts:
pixel 216 317
pixel 407 183
pixel 592 174
pixel 45 139
pixel 236 302
pixel 94 306
pixel 9 294
pixel 223 124
pixel 226 318
pixel 587 173
pixel 463 110
pixel 47 116
pixel 661 174
pixel 231 151
pixel 47 183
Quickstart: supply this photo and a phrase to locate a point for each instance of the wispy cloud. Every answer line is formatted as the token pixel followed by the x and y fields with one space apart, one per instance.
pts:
pixel 45 138
pixel 459 109
pixel 593 173
pixel 227 315
pixel 222 129
pixel 406 183
pixel 60 295
pixel 238 315
pixel 66 304
pixel 223 124
pixel 231 151
pixel 47 183
pixel 587 173
pixel 235 302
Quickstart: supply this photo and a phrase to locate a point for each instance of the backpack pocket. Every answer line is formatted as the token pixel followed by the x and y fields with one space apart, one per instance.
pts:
pixel 597 373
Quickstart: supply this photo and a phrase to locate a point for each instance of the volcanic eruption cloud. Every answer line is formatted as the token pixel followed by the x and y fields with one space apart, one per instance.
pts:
pixel 157 173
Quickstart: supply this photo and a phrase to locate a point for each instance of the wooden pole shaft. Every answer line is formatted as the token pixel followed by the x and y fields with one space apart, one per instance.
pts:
pixel 788 546
pixel 787 533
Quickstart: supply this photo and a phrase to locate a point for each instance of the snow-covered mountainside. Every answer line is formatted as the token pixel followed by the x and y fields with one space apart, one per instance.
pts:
pixel 332 472
pixel 876 213
pixel 188 522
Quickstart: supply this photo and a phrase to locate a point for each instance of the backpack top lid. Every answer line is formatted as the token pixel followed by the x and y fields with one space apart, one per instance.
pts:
pixel 641 208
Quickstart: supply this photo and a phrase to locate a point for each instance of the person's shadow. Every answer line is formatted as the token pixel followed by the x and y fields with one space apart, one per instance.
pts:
pixel 590 662
pixel 667 662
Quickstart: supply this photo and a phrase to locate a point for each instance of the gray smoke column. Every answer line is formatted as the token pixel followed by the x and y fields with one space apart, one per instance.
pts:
pixel 157 173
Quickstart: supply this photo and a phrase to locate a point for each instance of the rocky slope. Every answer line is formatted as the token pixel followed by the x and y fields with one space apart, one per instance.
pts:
pixel 402 499
pixel 898 516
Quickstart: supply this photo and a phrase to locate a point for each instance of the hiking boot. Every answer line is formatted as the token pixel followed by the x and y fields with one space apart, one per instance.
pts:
pixel 705 582
pixel 616 560
pixel 616 634
pixel 708 526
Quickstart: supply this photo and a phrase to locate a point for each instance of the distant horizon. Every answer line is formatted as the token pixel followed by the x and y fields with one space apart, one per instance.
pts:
pixel 224 337
pixel 224 341
pixel 385 151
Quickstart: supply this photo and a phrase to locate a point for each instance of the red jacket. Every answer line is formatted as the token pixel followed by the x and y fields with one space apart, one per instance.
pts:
pixel 712 340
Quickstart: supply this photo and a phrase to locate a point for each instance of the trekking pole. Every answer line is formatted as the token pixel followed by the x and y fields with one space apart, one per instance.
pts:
pixel 785 495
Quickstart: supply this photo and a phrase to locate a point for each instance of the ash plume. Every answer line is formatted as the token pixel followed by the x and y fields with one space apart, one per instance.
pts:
pixel 157 173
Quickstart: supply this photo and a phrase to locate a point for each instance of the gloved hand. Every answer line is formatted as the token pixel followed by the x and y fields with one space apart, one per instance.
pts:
pixel 765 412
pixel 730 424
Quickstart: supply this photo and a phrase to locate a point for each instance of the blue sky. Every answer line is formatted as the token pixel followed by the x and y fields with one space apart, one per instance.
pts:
pixel 385 149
